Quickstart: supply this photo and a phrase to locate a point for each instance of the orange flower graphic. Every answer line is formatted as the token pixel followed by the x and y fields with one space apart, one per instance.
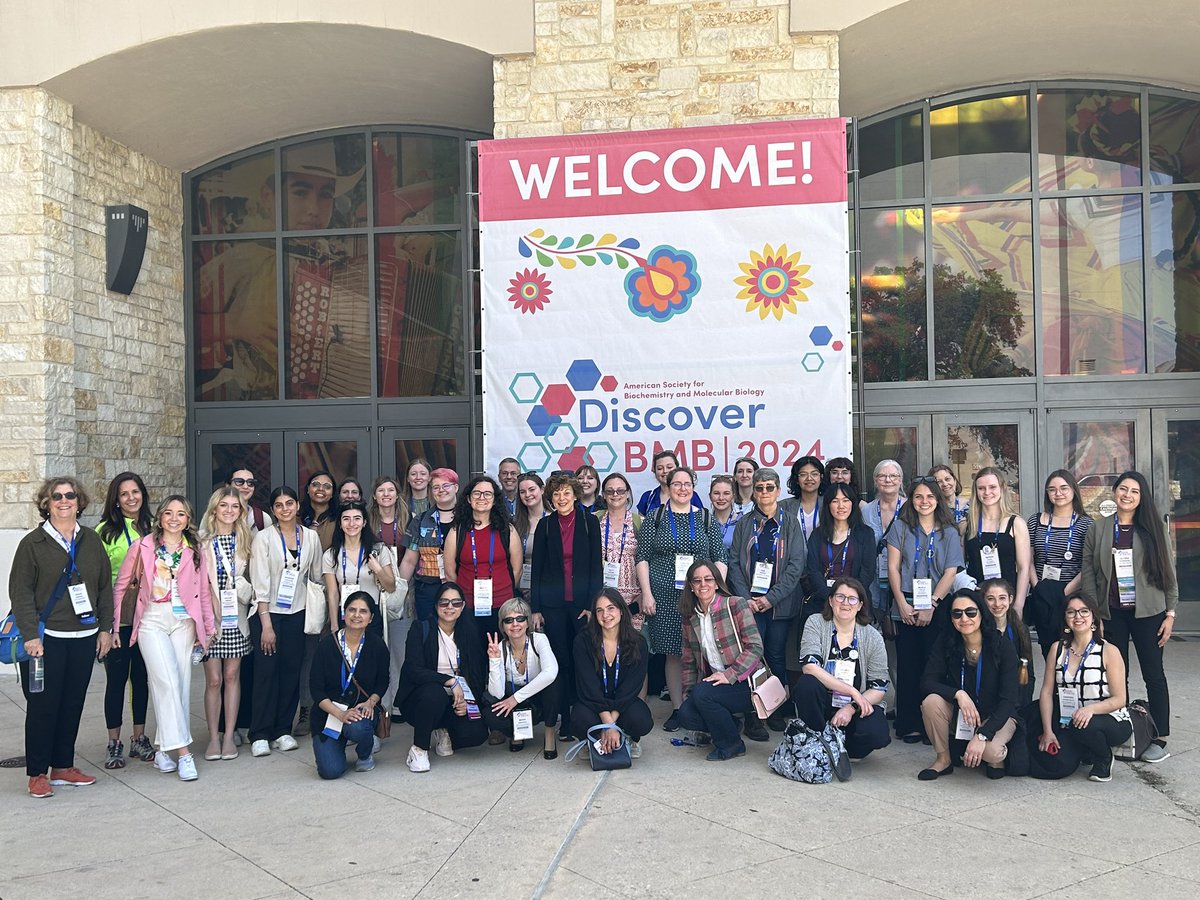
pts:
pixel 774 282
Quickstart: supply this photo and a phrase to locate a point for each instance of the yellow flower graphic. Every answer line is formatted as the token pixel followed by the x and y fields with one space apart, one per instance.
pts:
pixel 773 282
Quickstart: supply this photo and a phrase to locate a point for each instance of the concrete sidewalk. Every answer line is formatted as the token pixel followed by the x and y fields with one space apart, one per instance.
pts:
pixel 492 824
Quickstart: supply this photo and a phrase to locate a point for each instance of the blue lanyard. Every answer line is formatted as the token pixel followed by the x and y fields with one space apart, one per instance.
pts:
pixel 842 564
pixel 960 512
pixel 733 520
pixel 491 553
pixel 1008 632
pixel 128 539
pixel 1067 661
pixel 774 543
pixel 357 568
pixel 1050 528
pixel 833 646
pixel 512 506
pixel 624 529
pixel 962 675
pixel 220 557
pixel 604 669
pixel 71 553
pixel 803 519
pixel 917 553
pixel 283 544
pixel 348 667
pixel 691 524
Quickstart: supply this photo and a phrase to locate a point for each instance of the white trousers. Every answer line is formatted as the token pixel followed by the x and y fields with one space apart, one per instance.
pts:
pixel 166 644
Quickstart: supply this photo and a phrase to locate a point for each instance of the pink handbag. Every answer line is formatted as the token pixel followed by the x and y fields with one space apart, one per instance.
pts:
pixel 766 692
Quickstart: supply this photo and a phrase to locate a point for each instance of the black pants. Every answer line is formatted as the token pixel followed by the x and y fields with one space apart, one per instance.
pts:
pixel 428 707
pixel 52 716
pixel 814 705
pixel 635 719
pixel 276 677
pixel 544 705
pixel 1102 733
pixel 913 645
pixel 125 666
pixel 1044 611
pixel 561 625
pixel 1118 630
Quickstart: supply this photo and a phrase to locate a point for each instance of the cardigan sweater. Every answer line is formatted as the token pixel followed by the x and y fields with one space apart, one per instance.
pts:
pixel 998 689
pixel 36 568
pixel 589 684
pixel 546 582
pixel 325 681
pixel 193 586
pixel 786 594
pixel 541 668
pixel 1097 573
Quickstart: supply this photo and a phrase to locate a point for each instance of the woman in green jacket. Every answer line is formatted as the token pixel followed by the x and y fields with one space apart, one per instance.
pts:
pixel 125 518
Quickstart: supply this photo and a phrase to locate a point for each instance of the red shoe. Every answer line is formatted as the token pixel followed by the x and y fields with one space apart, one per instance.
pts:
pixel 72 777
pixel 39 787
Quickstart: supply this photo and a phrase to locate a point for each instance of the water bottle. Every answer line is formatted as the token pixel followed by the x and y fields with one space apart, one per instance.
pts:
pixel 197 654
pixel 37 674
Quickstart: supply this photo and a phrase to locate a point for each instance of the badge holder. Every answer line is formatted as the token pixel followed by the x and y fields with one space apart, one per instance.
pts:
pixel 333 725
pixel 612 573
pixel 522 724
pixel 922 593
pixel 683 562
pixel 483 597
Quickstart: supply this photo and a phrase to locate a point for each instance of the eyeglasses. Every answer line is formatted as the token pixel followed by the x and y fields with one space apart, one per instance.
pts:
pixel 765 488
pixel 243 482
pixel 706 579
pixel 451 604
pixel 1065 489
pixel 887 477
pixel 321 485
pixel 682 484
pixel 482 495
pixel 444 486
pixel 69 495
pixel 970 613
pixel 1078 612
pixel 520 620
pixel 615 492
pixel 846 599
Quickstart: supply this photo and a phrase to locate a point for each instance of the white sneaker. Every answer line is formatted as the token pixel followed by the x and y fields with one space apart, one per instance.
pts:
pixel 441 742
pixel 164 763
pixel 260 748
pixel 418 760
pixel 187 768
pixel 285 742
pixel 635 750
pixel 376 744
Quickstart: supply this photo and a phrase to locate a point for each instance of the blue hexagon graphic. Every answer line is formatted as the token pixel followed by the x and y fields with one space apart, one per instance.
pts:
pixel 533 457
pixel 583 375
pixel 561 437
pixel 812 362
pixel 539 420
pixel 820 336
pixel 603 456
pixel 525 388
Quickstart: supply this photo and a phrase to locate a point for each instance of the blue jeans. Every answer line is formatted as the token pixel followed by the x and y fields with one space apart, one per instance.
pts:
pixel 330 753
pixel 710 707
pixel 775 637
pixel 425 598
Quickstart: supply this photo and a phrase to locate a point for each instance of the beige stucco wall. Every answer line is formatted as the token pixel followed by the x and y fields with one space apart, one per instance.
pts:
pixel 611 65
pixel 91 382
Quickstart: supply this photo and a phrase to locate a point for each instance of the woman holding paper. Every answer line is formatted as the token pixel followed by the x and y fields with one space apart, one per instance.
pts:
pixel 845 670
pixel 1129 574
pixel 225 538
pixel 283 560
pixel 522 680
pixel 970 688
pixel 349 676
pixel 924 554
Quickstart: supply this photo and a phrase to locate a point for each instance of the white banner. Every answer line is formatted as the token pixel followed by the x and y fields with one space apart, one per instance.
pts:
pixel 683 289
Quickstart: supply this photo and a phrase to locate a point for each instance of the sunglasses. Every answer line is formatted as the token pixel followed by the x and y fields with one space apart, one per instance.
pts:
pixel 68 495
pixel 243 482
pixel 970 613
pixel 452 604
pixel 765 488
pixel 707 579
pixel 615 492
pixel 519 620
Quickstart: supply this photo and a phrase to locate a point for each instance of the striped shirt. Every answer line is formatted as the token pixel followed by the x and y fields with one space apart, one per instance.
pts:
pixel 1058 546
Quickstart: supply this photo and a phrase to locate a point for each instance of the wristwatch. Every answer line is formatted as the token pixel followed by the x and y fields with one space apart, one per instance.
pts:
pixel 981 736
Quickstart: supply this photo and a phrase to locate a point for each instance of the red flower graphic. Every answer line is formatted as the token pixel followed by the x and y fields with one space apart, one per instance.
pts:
pixel 529 291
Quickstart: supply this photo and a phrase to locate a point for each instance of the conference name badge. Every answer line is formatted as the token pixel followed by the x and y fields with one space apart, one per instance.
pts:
pixel 922 593
pixel 333 725
pixel 612 573
pixel 287 589
pixel 229 608
pixel 1068 703
pixel 522 724
pixel 990 558
pixel 963 731
pixel 762 577
pixel 683 562
pixel 483 596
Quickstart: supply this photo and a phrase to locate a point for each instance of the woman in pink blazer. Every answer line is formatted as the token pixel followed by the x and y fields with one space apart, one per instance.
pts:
pixel 174 614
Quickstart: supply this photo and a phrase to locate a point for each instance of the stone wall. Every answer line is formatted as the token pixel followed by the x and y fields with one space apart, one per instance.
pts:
pixel 617 65
pixel 91 382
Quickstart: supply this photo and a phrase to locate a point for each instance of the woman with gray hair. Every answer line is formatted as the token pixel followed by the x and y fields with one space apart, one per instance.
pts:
pixel 880 515
pixel 522 680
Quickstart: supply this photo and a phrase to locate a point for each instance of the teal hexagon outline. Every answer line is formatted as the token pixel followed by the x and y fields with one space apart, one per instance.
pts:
pixel 605 469
pixel 513 387
pixel 805 364
pixel 533 445
pixel 555 429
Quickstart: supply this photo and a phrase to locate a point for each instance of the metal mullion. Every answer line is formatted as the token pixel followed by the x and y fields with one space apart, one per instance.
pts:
pixel 233 236
pixel 470 266
pixel 191 435
pixel 991 92
pixel 1039 368
pixel 860 343
pixel 1147 312
pixel 372 300
pixel 280 280
pixel 417 229
pixel 927 179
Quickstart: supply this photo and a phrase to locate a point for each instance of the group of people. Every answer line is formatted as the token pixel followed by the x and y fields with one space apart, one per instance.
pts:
pixel 473 614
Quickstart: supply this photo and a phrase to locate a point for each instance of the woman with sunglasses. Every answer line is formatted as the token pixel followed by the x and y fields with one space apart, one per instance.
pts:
pixel 743 478
pixel 845 670
pixel 671 539
pixel 997 540
pixel 1083 702
pixel 443 680
pixel 722 649
pixel 126 517
pixel 522 678
pixel 998 595
pixel 880 516
pixel 349 678
pixel 619 524
pixel 318 508
pixel 1057 535
pixel 611 660
pixel 1129 573
pixel 970 687
pixel 924 554
pixel 257 518
pixel 61 561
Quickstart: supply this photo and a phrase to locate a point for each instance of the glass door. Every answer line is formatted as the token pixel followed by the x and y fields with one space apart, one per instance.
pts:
pixel 440 446
pixel 219 453
pixel 342 452
pixel 1097 445
pixel 905 438
pixel 1007 440
pixel 1176 485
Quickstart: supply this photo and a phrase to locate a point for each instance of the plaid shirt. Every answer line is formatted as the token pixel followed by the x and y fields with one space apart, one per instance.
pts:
pixel 737 639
